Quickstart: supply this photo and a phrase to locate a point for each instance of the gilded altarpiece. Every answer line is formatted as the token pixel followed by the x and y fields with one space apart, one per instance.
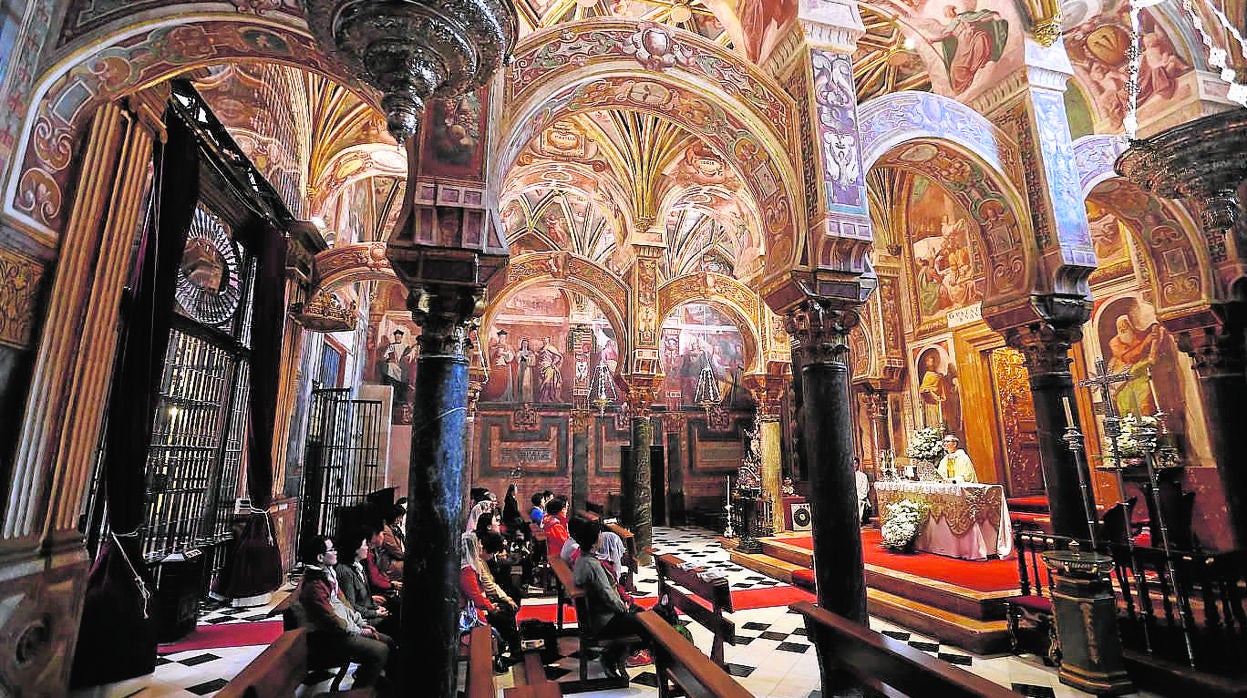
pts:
pixel 1011 391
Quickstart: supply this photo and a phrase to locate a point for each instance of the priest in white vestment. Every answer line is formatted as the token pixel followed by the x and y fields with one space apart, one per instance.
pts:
pixel 955 466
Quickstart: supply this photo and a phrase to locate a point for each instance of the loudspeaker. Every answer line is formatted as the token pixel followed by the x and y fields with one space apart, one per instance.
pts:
pixel 800 516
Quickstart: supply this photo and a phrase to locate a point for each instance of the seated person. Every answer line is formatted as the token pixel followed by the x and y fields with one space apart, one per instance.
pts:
pixel 610 552
pixel 555 525
pixel 609 616
pixel 353 580
pixel 955 466
pixel 337 634
pixel 486 502
pixel 392 543
pixel 538 511
pixel 476 582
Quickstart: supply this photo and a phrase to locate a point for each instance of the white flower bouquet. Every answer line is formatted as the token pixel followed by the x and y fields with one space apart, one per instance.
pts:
pixel 926 445
pixel 903 523
pixel 1137 437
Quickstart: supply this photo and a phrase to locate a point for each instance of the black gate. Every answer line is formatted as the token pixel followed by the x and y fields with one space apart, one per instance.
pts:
pixel 342 464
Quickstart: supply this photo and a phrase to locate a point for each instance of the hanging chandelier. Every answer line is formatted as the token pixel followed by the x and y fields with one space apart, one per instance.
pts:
pixel 602 392
pixel 413 50
pixel 707 394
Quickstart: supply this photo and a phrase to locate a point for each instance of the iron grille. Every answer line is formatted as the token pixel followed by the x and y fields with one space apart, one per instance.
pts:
pixel 343 459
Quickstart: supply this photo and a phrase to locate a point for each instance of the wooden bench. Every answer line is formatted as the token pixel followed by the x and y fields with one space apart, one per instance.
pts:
pixel 530 680
pixel 569 592
pixel 884 666
pixel 278 671
pixel 677 661
pixel 715 592
pixel 1031 623
pixel 480 676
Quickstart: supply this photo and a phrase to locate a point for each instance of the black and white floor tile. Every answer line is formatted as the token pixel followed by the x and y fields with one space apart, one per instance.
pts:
pixel 772 656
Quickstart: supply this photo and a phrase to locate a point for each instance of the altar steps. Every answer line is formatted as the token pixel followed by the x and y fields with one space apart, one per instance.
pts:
pixel 966 618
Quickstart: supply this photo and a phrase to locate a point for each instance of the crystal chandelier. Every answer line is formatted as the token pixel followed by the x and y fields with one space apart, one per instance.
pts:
pixel 602 393
pixel 707 394
pixel 412 50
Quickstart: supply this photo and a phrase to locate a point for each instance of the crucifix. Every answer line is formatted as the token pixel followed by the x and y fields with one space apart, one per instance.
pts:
pixel 1103 381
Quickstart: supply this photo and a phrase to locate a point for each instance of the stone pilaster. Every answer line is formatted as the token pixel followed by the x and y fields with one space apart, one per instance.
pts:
pixel 1220 363
pixel 644 312
pixel 1045 345
pixel 768 394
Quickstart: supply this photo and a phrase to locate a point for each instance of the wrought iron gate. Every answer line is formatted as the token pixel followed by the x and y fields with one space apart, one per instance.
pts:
pixel 342 463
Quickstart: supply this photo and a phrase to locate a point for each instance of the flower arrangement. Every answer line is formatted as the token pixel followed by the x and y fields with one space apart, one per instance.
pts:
pixel 903 524
pixel 926 444
pixel 1137 437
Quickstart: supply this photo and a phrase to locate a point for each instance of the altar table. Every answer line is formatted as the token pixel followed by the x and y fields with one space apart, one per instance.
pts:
pixel 969 521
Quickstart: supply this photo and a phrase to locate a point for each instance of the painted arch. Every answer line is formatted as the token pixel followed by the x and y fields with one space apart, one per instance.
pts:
pixel 599 65
pixel 977 164
pixel 728 294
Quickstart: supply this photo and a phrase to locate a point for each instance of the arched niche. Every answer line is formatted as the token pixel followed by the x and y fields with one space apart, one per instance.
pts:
pixel 698 334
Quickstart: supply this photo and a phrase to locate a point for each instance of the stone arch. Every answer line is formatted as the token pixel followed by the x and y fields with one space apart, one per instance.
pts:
pixel 725 293
pixel 127 59
pixel 348 264
pixel 977 164
pixel 740 112
pixel 1179 266
pixel 358 162
pixel 567 271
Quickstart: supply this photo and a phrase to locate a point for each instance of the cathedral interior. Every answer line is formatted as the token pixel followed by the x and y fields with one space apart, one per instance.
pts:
pixel 946 292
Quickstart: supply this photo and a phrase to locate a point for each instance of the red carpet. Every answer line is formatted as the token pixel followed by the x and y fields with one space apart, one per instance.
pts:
pixel 741 601
pixel 984 575
pixel 206 637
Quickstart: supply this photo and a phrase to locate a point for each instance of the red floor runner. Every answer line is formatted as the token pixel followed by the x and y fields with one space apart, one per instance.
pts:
pixel 741 601
pixel 206 637
pixel 983 575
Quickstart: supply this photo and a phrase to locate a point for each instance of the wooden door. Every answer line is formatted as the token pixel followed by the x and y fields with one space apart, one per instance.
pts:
pixel 1015 414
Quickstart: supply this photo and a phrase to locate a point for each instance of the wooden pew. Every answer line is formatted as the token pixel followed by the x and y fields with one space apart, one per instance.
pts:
pixel 677 661
pixel 278 671
pixel 715 592
pixel 886 666
pixel 531 681
pixel 568 591
pixel 480 677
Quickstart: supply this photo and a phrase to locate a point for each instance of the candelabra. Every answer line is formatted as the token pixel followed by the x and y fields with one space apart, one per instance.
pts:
pixel 602 393
pixel 1074 442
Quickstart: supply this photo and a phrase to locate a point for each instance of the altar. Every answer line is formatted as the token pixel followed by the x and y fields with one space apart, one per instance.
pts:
pixel 968 521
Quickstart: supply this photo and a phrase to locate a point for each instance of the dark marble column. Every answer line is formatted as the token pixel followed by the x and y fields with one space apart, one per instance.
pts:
pixel 1045 347
pixel 819 331
pixel 435 516
pixel 637 499
pixel 581 423
pixel 1217 354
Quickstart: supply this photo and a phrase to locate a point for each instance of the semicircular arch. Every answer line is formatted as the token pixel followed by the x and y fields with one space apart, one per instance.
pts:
pixel 353 164
pixel 339 266
pixel 130 57
pixel 595 65
pixel 725 293
pixel 565 270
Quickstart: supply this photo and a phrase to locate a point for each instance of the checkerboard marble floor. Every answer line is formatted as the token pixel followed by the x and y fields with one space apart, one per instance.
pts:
pixel 771 657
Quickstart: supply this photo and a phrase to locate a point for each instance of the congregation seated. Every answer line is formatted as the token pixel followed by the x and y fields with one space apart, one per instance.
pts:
pixel 554 524
pixel 337 633
pixel 483 600
pixel 392 547
pixel 607 616
pixel 353 579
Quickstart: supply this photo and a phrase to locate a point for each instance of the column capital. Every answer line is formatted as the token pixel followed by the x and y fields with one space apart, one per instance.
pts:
pixel 642 391
pixel 444 313
pixel 1045 347
pixel 876 402
pixel 1215 350
pixel 819 329
pixel 767 391
pixel 835 25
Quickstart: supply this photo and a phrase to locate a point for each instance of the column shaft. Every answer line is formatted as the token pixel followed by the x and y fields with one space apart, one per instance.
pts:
pixel 772 470
pixel 637 494
pixel 430 628
pixel 1219 360
pixel 580 460
pixel 1046 352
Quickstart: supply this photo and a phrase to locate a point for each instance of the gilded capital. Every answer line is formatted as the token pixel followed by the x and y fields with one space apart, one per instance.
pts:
pixel 444 314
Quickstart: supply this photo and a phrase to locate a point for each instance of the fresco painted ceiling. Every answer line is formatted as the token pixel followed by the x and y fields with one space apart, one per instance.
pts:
pixel 595 182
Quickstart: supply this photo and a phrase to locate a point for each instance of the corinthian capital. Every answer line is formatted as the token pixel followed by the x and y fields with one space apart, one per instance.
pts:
pixel 444 314
pixel 1045 347
pixel 820 330
pixel 1216 350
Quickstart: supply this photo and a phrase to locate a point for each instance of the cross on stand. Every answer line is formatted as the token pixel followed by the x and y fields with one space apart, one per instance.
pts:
pixel 1103 381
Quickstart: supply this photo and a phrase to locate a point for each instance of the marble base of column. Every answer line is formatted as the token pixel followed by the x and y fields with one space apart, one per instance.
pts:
pixel 429 636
